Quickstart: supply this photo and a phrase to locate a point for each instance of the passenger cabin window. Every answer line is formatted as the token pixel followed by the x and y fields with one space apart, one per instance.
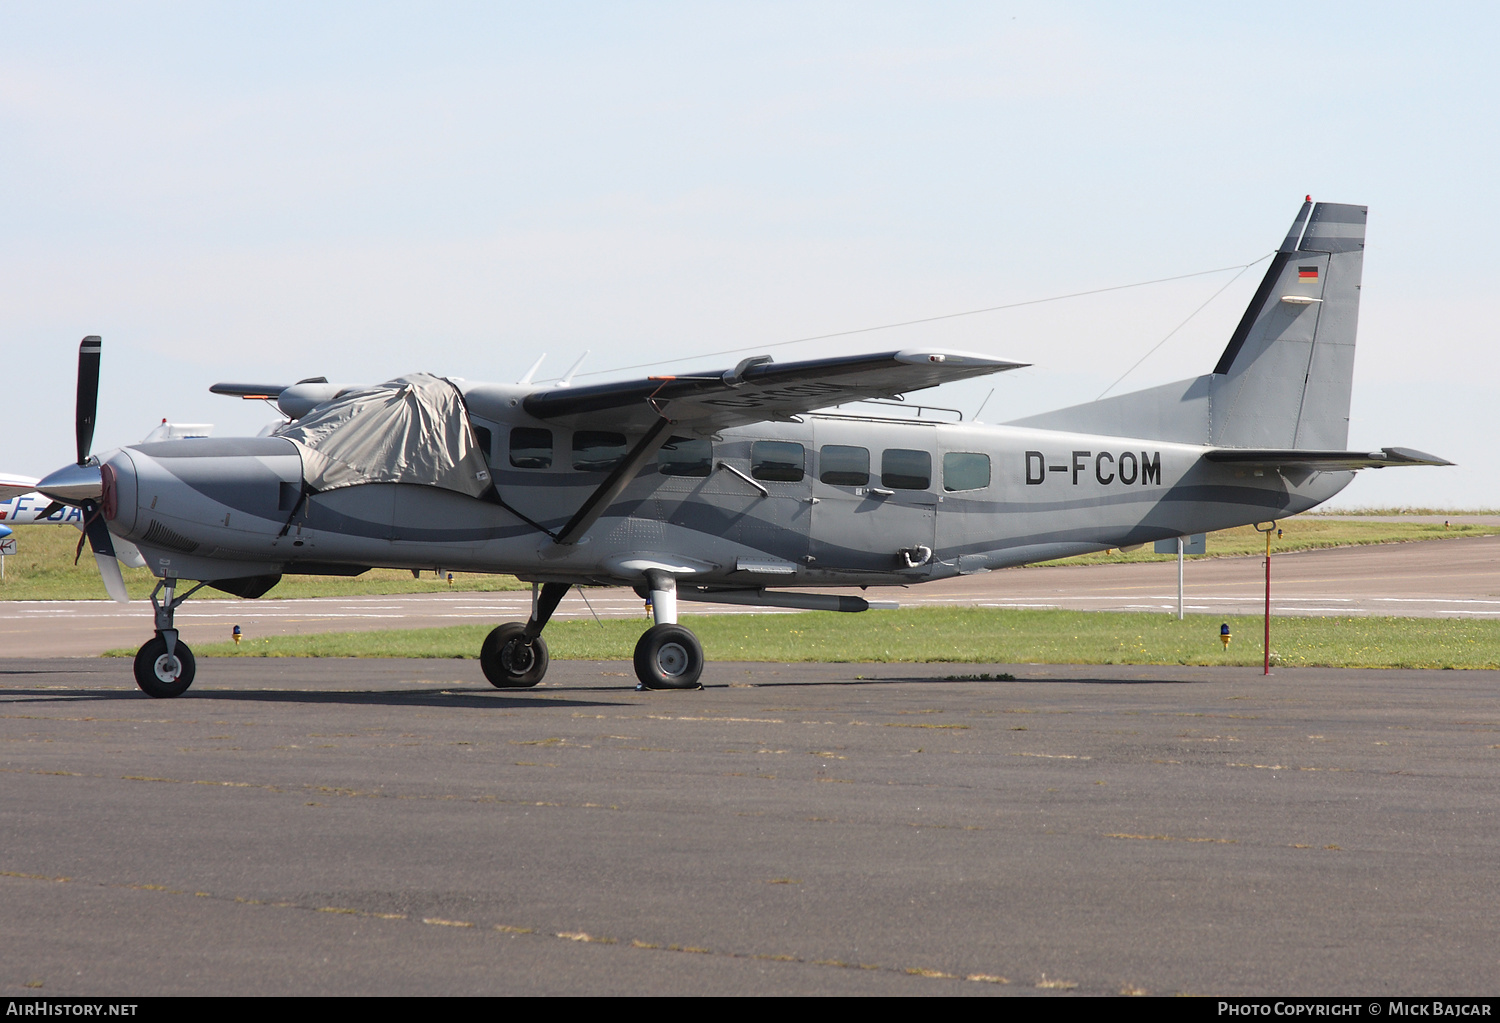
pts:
pixel 685 456
pixel 840 465
pixel 965 470
pixel 778 461
pixel 903 469
pixel 597 450
pixel 530 449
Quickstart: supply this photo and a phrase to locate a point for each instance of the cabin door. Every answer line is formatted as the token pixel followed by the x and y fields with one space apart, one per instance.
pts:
pixel 874 498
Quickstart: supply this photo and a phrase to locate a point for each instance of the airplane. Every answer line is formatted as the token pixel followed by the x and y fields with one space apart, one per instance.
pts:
pixel 731 486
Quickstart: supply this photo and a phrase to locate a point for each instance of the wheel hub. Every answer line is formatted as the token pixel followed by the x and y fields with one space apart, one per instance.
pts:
pixel 518 657
pixel 672 658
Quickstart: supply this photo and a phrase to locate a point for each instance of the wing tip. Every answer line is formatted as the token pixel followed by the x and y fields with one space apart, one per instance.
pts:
pixel 952 357
pixel 1411 456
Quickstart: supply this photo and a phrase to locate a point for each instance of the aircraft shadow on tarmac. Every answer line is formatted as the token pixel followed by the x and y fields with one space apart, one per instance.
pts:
pixel 446 698
pixel 959 679
pixel 464 695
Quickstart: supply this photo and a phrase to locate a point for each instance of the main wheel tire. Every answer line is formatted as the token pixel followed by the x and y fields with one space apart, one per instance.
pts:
pixel 669 657
pixel 510 660
pixel 164 676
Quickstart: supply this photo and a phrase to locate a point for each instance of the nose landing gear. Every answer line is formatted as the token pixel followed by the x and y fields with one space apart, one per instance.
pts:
pixel 164 665
pixel 161 673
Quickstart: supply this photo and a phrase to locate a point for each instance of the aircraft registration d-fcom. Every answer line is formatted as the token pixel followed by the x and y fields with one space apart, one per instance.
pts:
pixel 730 486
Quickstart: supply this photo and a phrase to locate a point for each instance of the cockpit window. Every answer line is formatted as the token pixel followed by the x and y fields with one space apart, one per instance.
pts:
pixel 485 441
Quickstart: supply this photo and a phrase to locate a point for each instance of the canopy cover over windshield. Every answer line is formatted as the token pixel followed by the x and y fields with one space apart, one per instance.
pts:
pixel 413 429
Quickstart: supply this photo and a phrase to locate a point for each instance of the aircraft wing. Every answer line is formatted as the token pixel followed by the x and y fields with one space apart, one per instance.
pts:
pixel 1321 461
pixel 757 389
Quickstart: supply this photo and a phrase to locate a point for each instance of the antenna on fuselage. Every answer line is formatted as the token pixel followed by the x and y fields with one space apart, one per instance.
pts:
pixel 532 371
pixel 568 376
pixel 982 404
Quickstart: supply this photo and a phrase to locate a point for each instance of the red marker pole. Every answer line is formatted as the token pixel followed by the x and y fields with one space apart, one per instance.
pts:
pixel 1268 533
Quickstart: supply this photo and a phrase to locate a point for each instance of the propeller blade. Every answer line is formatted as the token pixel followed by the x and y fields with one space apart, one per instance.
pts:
pixel 114 581
pixel 88 394
pixel 104 552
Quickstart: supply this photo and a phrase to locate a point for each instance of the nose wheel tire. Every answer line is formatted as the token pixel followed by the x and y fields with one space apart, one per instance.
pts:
pixel 161 674
pixel 669 657
pixel 510 660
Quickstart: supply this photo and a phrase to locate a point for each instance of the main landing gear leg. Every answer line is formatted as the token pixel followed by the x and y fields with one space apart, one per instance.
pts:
pixel 667 656
pixel 514 656
pixel 164 666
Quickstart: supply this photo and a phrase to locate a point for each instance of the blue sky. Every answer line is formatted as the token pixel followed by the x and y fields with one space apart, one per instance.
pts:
pixel 273 191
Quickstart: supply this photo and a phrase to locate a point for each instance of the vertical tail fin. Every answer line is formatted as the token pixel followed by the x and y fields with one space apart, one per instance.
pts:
pixel 1285 378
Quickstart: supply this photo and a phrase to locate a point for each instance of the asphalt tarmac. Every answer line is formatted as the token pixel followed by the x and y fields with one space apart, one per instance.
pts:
pixel 402 828
pixel 1443 578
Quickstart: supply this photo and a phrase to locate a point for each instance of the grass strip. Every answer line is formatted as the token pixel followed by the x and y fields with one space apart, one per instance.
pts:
pixel 959 635
pixel 43 568
pixel 1301 533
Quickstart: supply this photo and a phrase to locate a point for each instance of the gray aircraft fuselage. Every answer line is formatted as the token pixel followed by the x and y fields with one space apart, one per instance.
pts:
pixel 831 500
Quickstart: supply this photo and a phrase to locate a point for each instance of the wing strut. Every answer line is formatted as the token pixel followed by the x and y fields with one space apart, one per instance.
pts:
pixel 610 489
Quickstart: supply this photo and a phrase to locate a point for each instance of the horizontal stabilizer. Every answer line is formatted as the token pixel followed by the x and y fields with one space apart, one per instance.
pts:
pixel 249 391
pixel 294 400
pixel 1321 461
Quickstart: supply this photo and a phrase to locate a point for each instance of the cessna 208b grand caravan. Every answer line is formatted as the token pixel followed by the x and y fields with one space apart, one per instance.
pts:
pixel 728 486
